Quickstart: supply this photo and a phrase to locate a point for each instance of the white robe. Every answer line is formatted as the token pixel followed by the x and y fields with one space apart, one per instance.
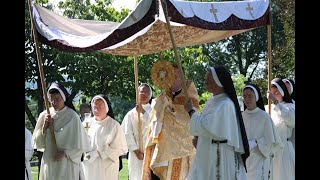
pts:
pixel 70 136
pixel 218 121
pixel 293 136
pixel 260 127
pixel 130 127
pixel 283 116
pixel 28 152
pixel 108 139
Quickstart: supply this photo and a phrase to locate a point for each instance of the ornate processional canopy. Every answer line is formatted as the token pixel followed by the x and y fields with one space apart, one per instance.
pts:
pixel 144 30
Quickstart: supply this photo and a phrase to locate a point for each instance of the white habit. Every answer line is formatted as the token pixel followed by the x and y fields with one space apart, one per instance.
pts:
pixel 293 136
pixel 260 127
pixel 130 126
pixel 70 136
pixel 28 152
pixel 283 116
pixel 215 161
pixel 107 138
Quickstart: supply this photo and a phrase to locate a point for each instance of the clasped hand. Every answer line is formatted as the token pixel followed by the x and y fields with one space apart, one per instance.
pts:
pixel 91 156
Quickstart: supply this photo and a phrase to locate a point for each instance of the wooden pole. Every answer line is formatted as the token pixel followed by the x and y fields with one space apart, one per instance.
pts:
pixel 269 58
pixel 138 102
pixel 177 57
pixel 35 38
pixel 269 81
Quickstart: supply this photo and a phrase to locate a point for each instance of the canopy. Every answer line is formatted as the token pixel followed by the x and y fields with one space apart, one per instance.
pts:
pixel 144 31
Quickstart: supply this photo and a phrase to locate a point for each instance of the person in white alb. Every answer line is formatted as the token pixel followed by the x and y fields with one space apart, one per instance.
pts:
pixel 107 142
pixel 283 116
pixel 261 133
pixel 291 89
pixel 62 156
pixel 222 147
pixel 130 126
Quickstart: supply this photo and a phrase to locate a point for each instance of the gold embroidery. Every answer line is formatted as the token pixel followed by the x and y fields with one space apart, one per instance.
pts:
pixel 149 42
pixel 176 169
pixel 182 100
pixel 174 140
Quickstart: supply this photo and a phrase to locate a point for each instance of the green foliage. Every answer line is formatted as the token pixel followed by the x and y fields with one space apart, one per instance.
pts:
pixel 33 108
pixel 239 83
pixel 203 99
pixel 283 59
pixel 120 107
pixel 194 62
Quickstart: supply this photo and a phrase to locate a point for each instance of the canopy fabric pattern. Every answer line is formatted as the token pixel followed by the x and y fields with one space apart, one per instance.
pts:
pixel 145 31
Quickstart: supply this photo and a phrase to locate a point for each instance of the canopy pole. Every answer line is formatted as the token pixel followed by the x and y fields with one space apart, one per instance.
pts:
pixel 43 84
pixel 269 80
pixel 269 66
pixel 269 57
pixel 177 57
pixel 138 102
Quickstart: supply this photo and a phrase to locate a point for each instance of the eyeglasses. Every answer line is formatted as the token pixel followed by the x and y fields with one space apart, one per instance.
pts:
pixel 97 107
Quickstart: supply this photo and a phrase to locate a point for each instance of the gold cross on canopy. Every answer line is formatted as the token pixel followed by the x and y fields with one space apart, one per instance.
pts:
pixel 214 11
pixel 181 12
pixel 250 9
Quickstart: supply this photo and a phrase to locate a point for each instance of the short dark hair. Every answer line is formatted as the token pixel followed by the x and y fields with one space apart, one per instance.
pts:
pixel 84 105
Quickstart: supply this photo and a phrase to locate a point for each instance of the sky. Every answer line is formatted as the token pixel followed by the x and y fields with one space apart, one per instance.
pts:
pixel 130 4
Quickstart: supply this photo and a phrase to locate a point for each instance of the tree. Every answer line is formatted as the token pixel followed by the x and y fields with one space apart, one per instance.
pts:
pixel 284 51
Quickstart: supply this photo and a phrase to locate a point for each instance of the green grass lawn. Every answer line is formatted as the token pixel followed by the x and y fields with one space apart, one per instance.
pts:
pixel 123 175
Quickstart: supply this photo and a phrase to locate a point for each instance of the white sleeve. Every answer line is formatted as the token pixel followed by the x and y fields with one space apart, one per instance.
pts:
pixel 129 132
pixel 116 148
pixel 37 136
pixel 287 114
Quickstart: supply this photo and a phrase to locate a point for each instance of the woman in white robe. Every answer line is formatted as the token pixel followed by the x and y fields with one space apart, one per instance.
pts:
pixel 291 89
pixel 283 116
pixel 222 146
pixel 130 126
pixel 28 153
pixel 70 138
pixel 107 142
pixel 261 133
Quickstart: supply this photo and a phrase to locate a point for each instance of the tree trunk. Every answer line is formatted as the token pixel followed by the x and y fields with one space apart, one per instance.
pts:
pixel 40 97
pixel 29 114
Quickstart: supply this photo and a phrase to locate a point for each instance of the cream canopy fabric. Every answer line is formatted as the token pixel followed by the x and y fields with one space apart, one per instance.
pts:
pixel 144 31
